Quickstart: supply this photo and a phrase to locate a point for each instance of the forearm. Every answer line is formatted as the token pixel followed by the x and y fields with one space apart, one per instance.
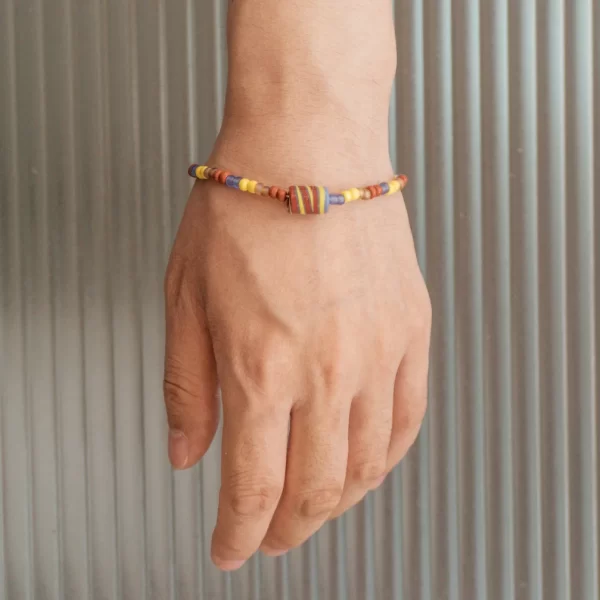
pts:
pixel 309 89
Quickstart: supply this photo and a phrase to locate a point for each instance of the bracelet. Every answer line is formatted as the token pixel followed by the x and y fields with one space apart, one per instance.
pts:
pixel 300 199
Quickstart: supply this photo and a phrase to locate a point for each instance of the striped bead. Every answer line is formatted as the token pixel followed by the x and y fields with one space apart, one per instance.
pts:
pixel 308 200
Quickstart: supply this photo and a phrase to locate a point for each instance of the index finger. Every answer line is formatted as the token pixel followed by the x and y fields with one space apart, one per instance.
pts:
pixel 255 433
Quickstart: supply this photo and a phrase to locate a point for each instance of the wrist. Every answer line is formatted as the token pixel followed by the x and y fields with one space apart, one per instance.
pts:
pixel 312 149
pixel 306 102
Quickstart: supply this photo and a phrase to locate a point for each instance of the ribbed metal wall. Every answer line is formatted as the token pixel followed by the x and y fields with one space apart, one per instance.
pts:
pixel 496 119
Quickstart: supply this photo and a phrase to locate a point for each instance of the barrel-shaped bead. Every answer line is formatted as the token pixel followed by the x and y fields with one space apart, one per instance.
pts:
pixel 308 200
pixel 336 199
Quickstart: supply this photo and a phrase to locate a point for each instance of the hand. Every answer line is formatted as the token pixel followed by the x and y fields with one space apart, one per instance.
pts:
pixel 317 331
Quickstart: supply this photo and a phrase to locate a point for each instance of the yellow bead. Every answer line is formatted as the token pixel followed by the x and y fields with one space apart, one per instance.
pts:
pixel 201 172
pixel 252 186
pixel 394 187
pixel 347 195
pixel 355 193
pixel 244 185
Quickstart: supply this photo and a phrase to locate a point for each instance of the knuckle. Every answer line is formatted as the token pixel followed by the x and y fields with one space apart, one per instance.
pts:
pixel 254 500
pixel 319 503
pixel 179 382
pixel 261 367
pixel 333 373
pixel 369 472
pixel 408 422
pixel 174 276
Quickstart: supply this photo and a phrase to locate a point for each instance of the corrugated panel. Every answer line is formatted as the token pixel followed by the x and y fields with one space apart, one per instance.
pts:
pixel 497 120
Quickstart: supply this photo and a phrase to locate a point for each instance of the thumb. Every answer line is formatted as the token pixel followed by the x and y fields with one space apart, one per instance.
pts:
pixel 190 380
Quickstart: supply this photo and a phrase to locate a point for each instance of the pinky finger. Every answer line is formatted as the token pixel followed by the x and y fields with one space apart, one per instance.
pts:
pixel 410 400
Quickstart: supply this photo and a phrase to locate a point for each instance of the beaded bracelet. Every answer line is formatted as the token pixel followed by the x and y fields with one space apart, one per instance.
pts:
pixel 300 199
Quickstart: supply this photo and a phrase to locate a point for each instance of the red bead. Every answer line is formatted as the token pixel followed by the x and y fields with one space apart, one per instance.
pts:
pixel 223 176
pixel 281 195
pixel 379 190
pixel 273 191
pixel 216 174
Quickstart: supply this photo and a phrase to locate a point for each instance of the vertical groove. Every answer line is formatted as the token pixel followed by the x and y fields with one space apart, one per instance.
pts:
pixel 396 557
pixel 584 557
pixel 40 332
pixel 104 42
pixel 496 215
pixel 440 275
pixel 552 142
pixel 367 509
pixel 525 316
pixel 96 184
pixel 339 532
pixel 469 248
pixel 137 579
pixel 16 473
pixel 65 256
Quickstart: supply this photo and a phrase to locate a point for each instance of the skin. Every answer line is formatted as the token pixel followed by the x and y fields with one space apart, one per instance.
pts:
pixel 316 329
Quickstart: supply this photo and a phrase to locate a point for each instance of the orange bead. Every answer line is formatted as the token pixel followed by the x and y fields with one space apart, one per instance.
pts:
pixel 223 176
pixel 281 195
pixel 273 190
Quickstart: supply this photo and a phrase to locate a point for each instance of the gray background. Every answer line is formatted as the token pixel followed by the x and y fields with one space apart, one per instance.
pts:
pixel 496 119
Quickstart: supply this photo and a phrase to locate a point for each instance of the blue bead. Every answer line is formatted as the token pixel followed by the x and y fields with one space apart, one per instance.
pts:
pixel 385 187
pixel 336 199
pixel 192 170
pixel 232 181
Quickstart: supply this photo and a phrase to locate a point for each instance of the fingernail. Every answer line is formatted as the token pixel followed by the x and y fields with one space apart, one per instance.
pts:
pixel 272 552
pixel 178 449
pixel 229 565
